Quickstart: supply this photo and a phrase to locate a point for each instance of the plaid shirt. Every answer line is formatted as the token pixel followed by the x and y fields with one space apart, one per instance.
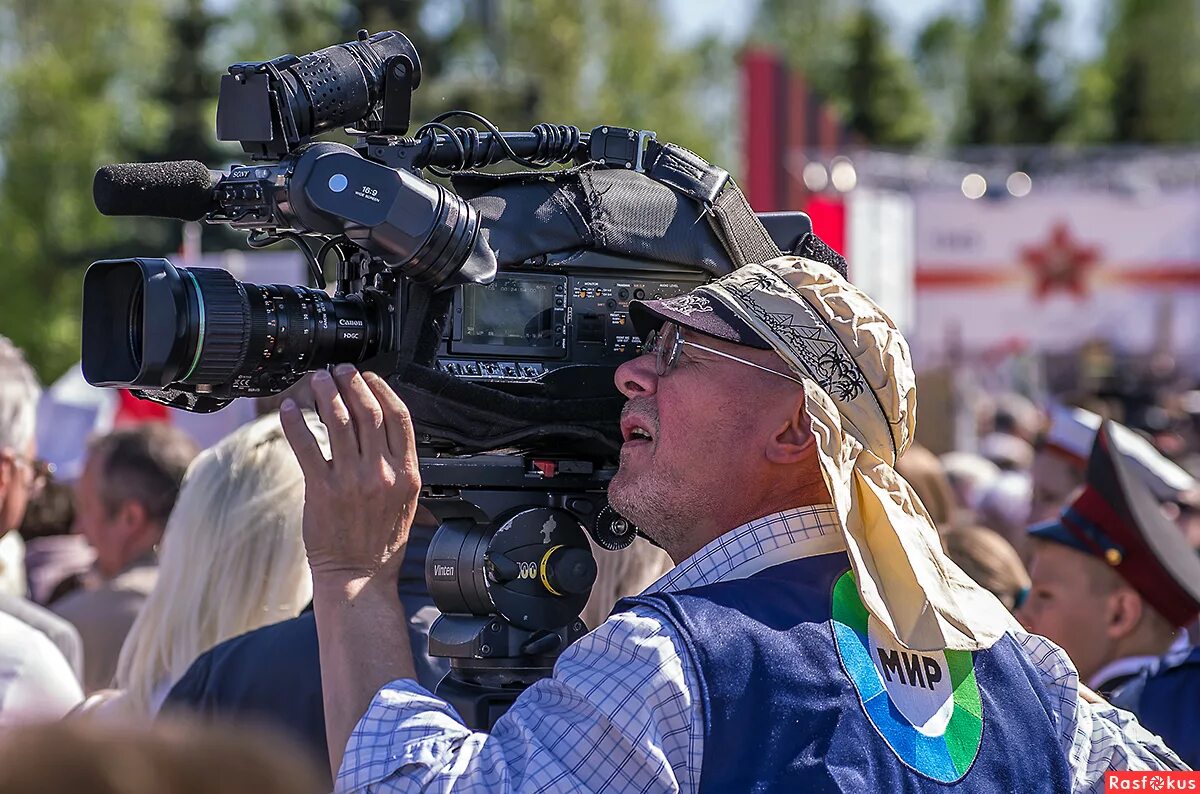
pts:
pixel 619 712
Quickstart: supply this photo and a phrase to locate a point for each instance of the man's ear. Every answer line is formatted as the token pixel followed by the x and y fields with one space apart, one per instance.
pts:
pixel 793 440
pixel 1124 612
pixel 132 514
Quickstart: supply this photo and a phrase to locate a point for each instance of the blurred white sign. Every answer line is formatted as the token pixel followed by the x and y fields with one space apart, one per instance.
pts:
pixel 1055 269
pixel 879 248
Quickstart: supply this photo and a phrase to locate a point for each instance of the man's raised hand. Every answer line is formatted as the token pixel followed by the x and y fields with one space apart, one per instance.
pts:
pixel 358 507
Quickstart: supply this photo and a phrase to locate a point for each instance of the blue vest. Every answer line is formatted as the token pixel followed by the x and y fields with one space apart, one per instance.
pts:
pixel 1168 703
pixel 801 691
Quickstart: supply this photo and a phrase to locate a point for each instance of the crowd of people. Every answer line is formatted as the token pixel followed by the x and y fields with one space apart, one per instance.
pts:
pixel 794 577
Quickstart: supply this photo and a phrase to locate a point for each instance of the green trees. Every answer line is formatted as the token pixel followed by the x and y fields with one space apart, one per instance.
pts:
pixel 847 55
pixel 883 99
pixel 77 80
pixel 1009 80
pixel 1148 78
pixel 1001 77
pixel 82 84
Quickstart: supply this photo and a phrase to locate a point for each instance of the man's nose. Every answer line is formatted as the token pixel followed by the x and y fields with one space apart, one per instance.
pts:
pixel 636 377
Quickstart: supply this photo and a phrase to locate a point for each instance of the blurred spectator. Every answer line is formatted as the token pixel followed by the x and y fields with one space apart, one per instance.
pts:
pixel 56 560
pixel 924 472
pixel 1113 579
pixel 622 573
pixel 1163 697
pixel 61 634
pixel 35 674
pixel 991 560
pixel 122 501
pixel 970 476
pixel 166 759
pixel 1061 458
pixel 1017 415
pixel 1004 508
pixel 36 683
pixel 1008 452
pixel 273 674
pixel 1063 452
pixel 232 560
pixel 20 474
pixel 12 565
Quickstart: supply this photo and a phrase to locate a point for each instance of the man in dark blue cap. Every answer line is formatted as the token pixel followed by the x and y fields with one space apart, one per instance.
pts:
pixel 1113 578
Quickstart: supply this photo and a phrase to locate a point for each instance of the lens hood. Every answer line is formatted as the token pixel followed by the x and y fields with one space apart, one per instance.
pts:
pixel 136 315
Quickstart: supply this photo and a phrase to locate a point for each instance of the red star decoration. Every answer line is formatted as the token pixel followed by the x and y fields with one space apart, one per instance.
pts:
pixel 1060 263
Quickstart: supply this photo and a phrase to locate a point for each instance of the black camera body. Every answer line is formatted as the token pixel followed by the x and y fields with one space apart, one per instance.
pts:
pixel 500 286
pixel 497 308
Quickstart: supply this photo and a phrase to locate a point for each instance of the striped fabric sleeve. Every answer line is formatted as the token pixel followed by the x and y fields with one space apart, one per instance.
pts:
pixel 1096 738
pixel 617 715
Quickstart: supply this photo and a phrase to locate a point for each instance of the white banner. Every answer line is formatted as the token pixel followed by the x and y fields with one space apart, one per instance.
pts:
pixel 879 248
pixel 1056 269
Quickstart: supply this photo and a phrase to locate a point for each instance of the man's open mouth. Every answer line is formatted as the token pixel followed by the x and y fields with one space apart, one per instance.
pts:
pixel 635 433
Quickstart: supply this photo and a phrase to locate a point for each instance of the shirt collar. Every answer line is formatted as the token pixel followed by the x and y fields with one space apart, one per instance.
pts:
pixel 1132 665
pixel 757 545
pixel 1120 668
pixel 147 560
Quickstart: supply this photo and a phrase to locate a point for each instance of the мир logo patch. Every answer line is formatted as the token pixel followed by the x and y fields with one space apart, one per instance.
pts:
pixel 926 706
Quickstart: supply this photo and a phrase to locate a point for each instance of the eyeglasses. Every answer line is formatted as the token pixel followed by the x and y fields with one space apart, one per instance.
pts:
pixel 667 343
pixel 41 470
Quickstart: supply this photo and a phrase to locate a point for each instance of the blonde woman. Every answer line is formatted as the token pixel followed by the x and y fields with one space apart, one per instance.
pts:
pixel 232 560
pixel 990 560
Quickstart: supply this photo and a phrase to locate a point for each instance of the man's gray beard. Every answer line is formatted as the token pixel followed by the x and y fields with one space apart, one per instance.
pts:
pixel 666 524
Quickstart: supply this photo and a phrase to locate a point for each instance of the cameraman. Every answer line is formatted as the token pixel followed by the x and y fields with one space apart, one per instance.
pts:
pixel 762 426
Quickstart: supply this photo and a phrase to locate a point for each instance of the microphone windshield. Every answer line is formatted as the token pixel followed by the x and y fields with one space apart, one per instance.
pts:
pixel 181 189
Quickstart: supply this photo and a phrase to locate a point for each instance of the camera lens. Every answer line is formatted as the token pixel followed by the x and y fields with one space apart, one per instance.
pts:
pixel 135 323
pixel 147 323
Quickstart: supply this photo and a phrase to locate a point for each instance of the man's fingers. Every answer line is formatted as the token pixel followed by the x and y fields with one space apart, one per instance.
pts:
pixel 364 410
pixel 301 393
pixel 335 416
pixel 396 419
pixel 303 442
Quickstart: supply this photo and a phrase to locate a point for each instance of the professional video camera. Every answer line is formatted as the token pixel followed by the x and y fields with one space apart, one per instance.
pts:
pixel 498 310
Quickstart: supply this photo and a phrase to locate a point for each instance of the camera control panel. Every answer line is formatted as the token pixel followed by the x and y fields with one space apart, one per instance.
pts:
pixel 526 324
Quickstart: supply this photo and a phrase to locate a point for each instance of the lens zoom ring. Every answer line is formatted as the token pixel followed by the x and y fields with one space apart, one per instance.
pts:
pixel 263 326
pixel 226 327
pixel 448 245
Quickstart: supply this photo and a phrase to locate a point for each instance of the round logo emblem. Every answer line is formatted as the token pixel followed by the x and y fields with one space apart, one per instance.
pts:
pixel 926 706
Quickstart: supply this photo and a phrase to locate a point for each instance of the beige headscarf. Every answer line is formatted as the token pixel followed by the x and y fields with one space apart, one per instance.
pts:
pixel 861 396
